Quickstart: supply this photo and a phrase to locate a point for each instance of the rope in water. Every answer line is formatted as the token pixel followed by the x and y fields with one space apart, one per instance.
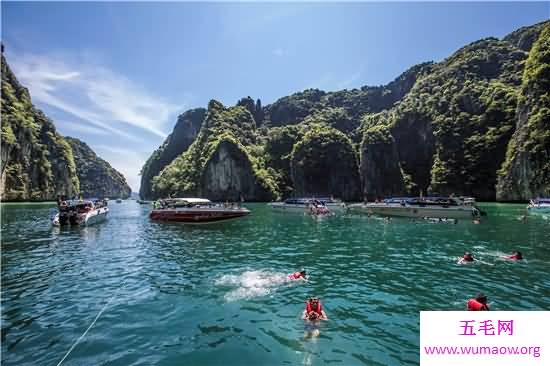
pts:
pixel 91 325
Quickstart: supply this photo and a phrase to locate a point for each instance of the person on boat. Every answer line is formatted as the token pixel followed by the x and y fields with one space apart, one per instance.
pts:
pixel 516 256
pixel 314 310
pixel 479 303
pixel 467 258
pixel 298 275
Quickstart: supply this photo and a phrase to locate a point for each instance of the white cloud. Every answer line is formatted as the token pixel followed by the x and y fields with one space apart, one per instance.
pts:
pixel 94 94
pixel 103 102
pixel 81 128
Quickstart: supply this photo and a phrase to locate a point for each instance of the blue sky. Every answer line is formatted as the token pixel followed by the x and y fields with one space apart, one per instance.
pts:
pixel 116 75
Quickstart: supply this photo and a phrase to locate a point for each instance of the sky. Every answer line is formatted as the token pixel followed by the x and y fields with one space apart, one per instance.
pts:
pixel 117 75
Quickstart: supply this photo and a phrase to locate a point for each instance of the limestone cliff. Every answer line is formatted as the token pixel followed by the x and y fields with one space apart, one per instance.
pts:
pixel 324 163
pixel 184 133
pixel 526 171
pixel 442 127
pixel 97 177
pixel 380 166
pixel 222 163
pixel 229 175
pixel 36 162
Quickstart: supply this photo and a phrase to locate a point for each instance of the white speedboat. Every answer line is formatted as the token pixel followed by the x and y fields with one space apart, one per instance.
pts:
pixel 539 206
pixel 304 204
pixel 195 211
pixel 420 207
pixel 80 212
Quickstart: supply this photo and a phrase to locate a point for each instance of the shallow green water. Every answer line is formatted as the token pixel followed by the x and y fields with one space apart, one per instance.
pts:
pixel 217 295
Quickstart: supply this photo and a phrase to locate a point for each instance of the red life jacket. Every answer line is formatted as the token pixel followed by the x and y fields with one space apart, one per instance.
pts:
pixel 514 257
pixel 318 310
pixel 474 305
pixel 295 275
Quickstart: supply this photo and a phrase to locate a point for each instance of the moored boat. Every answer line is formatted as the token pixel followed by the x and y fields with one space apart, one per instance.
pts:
pixel 80 212
pixel 420 207
pixel 195 211
pixel 119 200
pixel 143 202
pixel 304 204
pixel 539 206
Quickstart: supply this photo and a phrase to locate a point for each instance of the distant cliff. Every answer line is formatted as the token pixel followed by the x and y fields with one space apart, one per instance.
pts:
pixel 476 123
pixel 97 177
pixel 37 163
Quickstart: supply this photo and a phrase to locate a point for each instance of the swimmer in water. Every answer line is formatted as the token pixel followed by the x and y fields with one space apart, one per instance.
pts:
pixel 478 304
pixel 298 275
pixel 476 221
pixel 467 258
pixel 516 256
pixel 314 310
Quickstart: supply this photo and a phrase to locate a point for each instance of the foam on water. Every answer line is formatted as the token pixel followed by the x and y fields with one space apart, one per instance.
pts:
pixel 251 284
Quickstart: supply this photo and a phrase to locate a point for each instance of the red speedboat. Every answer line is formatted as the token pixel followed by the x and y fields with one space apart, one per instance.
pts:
pixel 195 211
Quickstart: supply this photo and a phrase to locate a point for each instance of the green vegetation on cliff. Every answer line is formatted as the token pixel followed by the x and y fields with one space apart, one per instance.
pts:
pixel 186 130
pixel 324 163
pixel 526 171
pixel 441 127
pixel 37 163
pixel 97 177
pixel 452 128
pixel 235 126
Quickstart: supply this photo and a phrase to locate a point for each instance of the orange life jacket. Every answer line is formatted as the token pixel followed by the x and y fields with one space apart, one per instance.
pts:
pixel 474 305
pixel 318 310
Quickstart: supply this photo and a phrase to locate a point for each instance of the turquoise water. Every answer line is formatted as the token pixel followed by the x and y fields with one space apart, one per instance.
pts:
pixel 217 295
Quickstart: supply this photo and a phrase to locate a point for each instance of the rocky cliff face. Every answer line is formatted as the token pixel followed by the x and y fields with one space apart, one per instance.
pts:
pixel 36 162
pixel 97 178
pixel 210 166
pixel 451 130
pixel 441 127
pixel 184 133
pixel 229 175
pixel 526 171
pixel 324 163
pixel 380 166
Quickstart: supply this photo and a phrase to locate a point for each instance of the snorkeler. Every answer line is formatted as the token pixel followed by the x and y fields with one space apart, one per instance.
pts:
pixel 516 256
pixel 479 303
pixel 298 275
pixel 467 258
pixel 314 310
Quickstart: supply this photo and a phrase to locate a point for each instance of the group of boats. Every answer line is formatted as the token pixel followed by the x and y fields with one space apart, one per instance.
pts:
pixel 201 210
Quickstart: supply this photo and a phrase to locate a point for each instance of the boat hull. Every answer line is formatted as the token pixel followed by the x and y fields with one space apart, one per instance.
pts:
pixel 415 212
pixel 301 208
pixel 90 218
pixel 196 216
pixel 539 210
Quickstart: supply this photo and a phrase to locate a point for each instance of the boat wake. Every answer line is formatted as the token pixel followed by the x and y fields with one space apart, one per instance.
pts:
pixel 251 284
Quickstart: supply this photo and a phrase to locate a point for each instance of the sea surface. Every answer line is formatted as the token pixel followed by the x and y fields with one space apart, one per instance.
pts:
pixel 169 294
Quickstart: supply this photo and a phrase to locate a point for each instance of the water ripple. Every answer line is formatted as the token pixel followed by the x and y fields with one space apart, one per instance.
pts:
pixel 220 294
